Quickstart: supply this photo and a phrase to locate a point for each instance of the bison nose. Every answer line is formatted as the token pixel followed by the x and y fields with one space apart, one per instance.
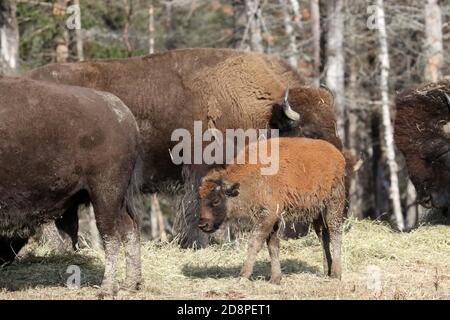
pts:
pixel 206 226
pixel 202 225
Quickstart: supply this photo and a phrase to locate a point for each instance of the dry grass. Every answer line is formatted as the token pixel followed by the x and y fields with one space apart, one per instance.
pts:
pixel 412 266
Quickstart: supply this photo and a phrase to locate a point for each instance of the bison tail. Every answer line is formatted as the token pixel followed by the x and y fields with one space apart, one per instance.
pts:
pixel 134 201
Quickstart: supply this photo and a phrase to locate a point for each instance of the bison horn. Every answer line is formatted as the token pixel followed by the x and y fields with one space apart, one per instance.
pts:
pixel 448 98
pixel 446 127
pixel 291 114
pixel 323 86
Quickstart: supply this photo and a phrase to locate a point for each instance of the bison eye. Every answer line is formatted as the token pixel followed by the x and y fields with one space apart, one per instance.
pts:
pixel 215 203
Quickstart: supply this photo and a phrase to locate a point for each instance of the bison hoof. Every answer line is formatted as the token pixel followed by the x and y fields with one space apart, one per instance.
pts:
pixel 132 286
pixel 335 275
pixel 108 292
pixel 244 280
pixel 275 280
pixel 245 273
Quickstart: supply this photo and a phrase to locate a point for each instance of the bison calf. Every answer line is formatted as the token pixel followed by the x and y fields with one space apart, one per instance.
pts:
pixel 309 187
pixel 61 146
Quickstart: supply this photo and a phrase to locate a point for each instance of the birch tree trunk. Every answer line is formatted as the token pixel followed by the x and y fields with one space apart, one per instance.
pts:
pixel 289 29
pixel 394 191
pixel 253 30
pixel 157 220
pixel 297 14
pixel 78 33
pixel 335 61
pixel 239 23
pixel 9 38
pixel 151 30
pixel 128 5
pixel 170 42
pixel 434 47
pixel 315 21
pixel 62 40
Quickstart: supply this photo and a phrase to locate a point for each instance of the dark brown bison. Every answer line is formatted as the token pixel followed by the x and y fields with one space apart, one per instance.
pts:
pixel 223 88
pixel 309 188
pixel 61 146
pixel 422 133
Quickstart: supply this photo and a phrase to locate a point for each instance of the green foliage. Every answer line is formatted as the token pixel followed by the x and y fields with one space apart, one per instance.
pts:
pixel 37 28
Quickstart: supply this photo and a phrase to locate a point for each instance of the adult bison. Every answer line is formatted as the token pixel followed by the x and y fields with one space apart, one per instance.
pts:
pixel 422 133
pixel 61 146
pixel 223 88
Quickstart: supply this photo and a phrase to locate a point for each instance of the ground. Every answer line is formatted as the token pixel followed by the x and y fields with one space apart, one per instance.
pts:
pixel 379 263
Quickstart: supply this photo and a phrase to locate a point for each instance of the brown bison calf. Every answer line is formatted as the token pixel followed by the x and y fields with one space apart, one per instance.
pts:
pixel 309 187
pixel 61 146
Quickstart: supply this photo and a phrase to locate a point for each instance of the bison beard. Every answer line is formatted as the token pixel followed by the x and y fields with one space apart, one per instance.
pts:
pixel 223 88
pixel 422 133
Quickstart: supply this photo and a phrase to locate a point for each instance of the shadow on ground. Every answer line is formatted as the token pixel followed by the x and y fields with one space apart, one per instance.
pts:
pixel 261 270
pixel 50 271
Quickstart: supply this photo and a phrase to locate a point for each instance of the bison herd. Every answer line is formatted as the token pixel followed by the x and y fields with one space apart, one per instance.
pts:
pixel 99 132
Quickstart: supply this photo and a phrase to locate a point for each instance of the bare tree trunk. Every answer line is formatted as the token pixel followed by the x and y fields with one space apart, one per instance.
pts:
pixel 253 30
pixel 62 40
pixel 78 33
pixel 315 21
pixel 386 118
pixel 88 227
pixel 239 23
pixel 153 216
pixel 9 38
pixel 158 220
pixel 297 14
pixel 170 41
pixel 335 61
pixel 434 47
pixel 151 30
pixel 128 5
pixel 293 52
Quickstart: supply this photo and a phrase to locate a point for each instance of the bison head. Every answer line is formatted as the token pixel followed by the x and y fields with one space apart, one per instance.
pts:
pixel 214 196
pixel 306 112
pixel 422 133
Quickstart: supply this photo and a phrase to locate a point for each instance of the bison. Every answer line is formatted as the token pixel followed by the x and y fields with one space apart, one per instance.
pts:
pixel 422 133
pixel 309 187
pixel 223 88
pixel 62 146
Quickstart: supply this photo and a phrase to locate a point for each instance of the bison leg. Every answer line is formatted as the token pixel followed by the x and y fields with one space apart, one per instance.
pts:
pixel 273 244
pixel 261 233
pixel 336 240
pixel 106 216
pixel 131 239
pixel 324 238
pixel 334 223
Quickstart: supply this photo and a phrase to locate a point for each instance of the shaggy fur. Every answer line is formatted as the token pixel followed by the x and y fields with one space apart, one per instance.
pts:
pixel 62 146
pixel 309 187
pixel 423 114
pixel 223 88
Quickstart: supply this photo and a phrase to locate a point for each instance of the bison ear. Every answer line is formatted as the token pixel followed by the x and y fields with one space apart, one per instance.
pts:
pixel 231 189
